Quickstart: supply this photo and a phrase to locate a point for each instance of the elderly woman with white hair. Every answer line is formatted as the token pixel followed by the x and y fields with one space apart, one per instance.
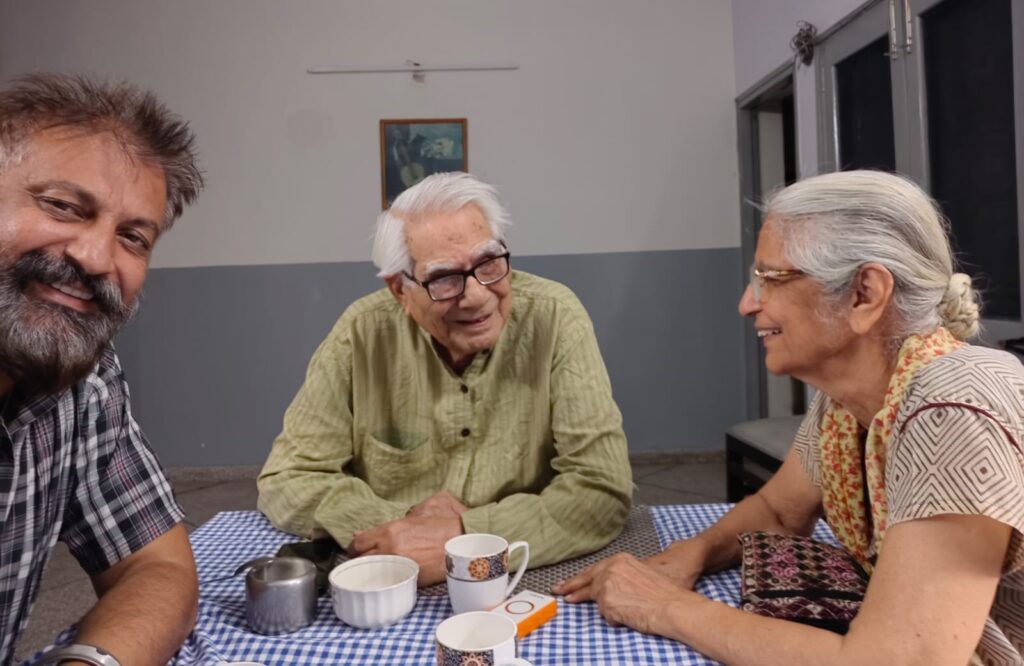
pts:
pixel 911 449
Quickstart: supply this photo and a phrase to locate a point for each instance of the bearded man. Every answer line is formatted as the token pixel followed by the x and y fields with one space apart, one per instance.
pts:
pixel 91 175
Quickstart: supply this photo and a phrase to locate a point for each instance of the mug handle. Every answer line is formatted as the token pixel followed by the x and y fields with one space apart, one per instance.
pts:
pixel 522 567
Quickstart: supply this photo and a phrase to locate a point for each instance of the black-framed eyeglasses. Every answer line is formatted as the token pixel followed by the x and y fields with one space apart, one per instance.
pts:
pixel 452 285
pixel 760 278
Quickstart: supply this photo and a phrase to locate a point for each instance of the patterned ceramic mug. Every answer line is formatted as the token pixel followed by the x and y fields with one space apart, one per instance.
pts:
pixel 477 639
pixel 477 567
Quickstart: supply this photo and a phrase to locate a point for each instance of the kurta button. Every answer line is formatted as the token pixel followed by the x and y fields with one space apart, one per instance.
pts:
pixel 464 388
pixel 465 432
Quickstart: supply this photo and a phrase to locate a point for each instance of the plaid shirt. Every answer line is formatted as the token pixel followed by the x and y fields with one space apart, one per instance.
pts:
pixel 74 467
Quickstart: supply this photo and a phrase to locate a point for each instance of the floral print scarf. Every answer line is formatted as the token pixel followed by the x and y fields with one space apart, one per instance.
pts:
pixel 844 465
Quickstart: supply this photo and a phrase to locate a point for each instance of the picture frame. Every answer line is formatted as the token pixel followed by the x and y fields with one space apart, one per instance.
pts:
pixel 413 148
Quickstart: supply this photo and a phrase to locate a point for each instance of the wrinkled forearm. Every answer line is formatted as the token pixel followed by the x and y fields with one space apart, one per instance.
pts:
pixel 732 636
pixel 720 543
pixel 788 504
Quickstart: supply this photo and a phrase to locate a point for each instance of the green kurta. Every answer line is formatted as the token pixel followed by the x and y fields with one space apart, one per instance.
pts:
pixel 528 437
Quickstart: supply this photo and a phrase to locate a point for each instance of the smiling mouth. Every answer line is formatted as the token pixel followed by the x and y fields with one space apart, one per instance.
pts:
pixel 473 322
pixel 80 293
pixel 73 296
pixel 766 332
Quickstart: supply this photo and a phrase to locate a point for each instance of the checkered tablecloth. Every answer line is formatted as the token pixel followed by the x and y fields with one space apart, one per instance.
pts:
pixel 577 635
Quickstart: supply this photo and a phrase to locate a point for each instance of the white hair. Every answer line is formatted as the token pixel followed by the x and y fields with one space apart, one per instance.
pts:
pixel 831 225
pixel 438 193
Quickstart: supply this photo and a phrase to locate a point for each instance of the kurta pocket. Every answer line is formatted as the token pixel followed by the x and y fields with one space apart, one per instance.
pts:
pixel 397 474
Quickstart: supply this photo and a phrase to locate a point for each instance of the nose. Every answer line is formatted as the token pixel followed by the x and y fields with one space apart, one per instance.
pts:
pixel 93 249
pixel 474 294
pixel 748 304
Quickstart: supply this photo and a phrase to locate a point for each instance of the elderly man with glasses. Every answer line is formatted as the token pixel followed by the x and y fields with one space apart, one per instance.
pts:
pixel 464 397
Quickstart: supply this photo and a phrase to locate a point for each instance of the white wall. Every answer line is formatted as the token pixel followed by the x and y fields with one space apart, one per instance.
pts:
pixel 617 133
pixel 762 30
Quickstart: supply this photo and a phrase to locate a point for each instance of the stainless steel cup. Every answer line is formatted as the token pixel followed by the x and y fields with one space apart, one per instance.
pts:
pixel 280 594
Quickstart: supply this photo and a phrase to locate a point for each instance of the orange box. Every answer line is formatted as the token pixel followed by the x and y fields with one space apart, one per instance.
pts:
pixel 529 610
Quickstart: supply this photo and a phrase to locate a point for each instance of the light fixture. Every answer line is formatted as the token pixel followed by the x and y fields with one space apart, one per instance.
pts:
pixel 417 69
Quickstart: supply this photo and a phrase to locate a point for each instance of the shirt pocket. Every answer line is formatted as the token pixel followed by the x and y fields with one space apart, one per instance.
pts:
pixel 397 474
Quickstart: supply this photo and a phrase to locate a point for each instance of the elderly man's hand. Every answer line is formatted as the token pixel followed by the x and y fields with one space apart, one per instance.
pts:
pixel 441 504
pixel 420 538
pixel 628 592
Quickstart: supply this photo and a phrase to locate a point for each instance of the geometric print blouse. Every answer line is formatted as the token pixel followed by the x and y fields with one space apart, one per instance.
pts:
pixel 957 449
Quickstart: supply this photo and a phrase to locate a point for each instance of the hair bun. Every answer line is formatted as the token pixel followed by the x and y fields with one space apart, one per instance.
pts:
pixel 959 307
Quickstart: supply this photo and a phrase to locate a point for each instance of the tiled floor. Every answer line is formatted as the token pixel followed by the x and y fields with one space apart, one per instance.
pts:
pixel 66 593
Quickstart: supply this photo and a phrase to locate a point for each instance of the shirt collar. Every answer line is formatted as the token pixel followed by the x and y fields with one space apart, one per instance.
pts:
pixel 23 410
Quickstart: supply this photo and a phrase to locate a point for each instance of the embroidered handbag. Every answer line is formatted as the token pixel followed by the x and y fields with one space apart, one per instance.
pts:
pixel 800 579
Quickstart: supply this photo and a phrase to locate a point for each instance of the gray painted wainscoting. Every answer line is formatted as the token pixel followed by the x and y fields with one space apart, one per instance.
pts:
pixel 216 353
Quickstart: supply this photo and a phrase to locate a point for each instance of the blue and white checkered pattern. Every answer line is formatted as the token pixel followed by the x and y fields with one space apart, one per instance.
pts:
pixel 687 520
pixel 577 635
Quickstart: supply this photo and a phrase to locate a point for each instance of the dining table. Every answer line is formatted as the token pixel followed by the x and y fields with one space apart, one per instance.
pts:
pixel 576 635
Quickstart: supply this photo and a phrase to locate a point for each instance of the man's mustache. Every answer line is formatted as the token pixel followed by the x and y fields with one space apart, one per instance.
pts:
pixel 37 266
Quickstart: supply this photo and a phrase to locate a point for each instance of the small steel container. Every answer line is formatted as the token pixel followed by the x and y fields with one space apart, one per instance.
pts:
pixel 280 594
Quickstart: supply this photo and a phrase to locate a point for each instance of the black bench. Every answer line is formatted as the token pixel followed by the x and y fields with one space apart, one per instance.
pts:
pixel 754 450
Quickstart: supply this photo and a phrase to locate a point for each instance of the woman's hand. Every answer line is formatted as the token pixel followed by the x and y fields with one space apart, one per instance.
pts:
pixel 681 563
pixel 628 592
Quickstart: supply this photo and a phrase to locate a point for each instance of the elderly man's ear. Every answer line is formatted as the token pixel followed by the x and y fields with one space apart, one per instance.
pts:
pixel 399 288
pixel 872 292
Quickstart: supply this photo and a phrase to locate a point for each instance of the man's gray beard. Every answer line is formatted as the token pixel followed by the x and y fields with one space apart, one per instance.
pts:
pixel 46 347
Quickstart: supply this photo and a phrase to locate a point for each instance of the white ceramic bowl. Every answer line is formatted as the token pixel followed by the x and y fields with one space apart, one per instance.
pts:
pixel 374 590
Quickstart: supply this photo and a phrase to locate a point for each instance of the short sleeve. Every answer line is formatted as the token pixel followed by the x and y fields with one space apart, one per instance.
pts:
pixel 955 459
pixel 805 444
pixel 121 500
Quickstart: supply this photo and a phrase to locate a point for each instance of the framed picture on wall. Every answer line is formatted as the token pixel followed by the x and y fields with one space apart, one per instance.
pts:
pixel 412 149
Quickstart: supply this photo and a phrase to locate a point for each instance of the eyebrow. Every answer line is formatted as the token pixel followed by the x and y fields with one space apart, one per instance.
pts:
pixel 488 250
pixel 491 248
pixel 431 270
pixel 85 197
pixel 89 201
pixel 146 223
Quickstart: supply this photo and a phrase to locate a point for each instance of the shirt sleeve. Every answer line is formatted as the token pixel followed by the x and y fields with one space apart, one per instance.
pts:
pixel 121 499
pixel 805 444
pixel 957 459
pixel 303 487
pixel 586 503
